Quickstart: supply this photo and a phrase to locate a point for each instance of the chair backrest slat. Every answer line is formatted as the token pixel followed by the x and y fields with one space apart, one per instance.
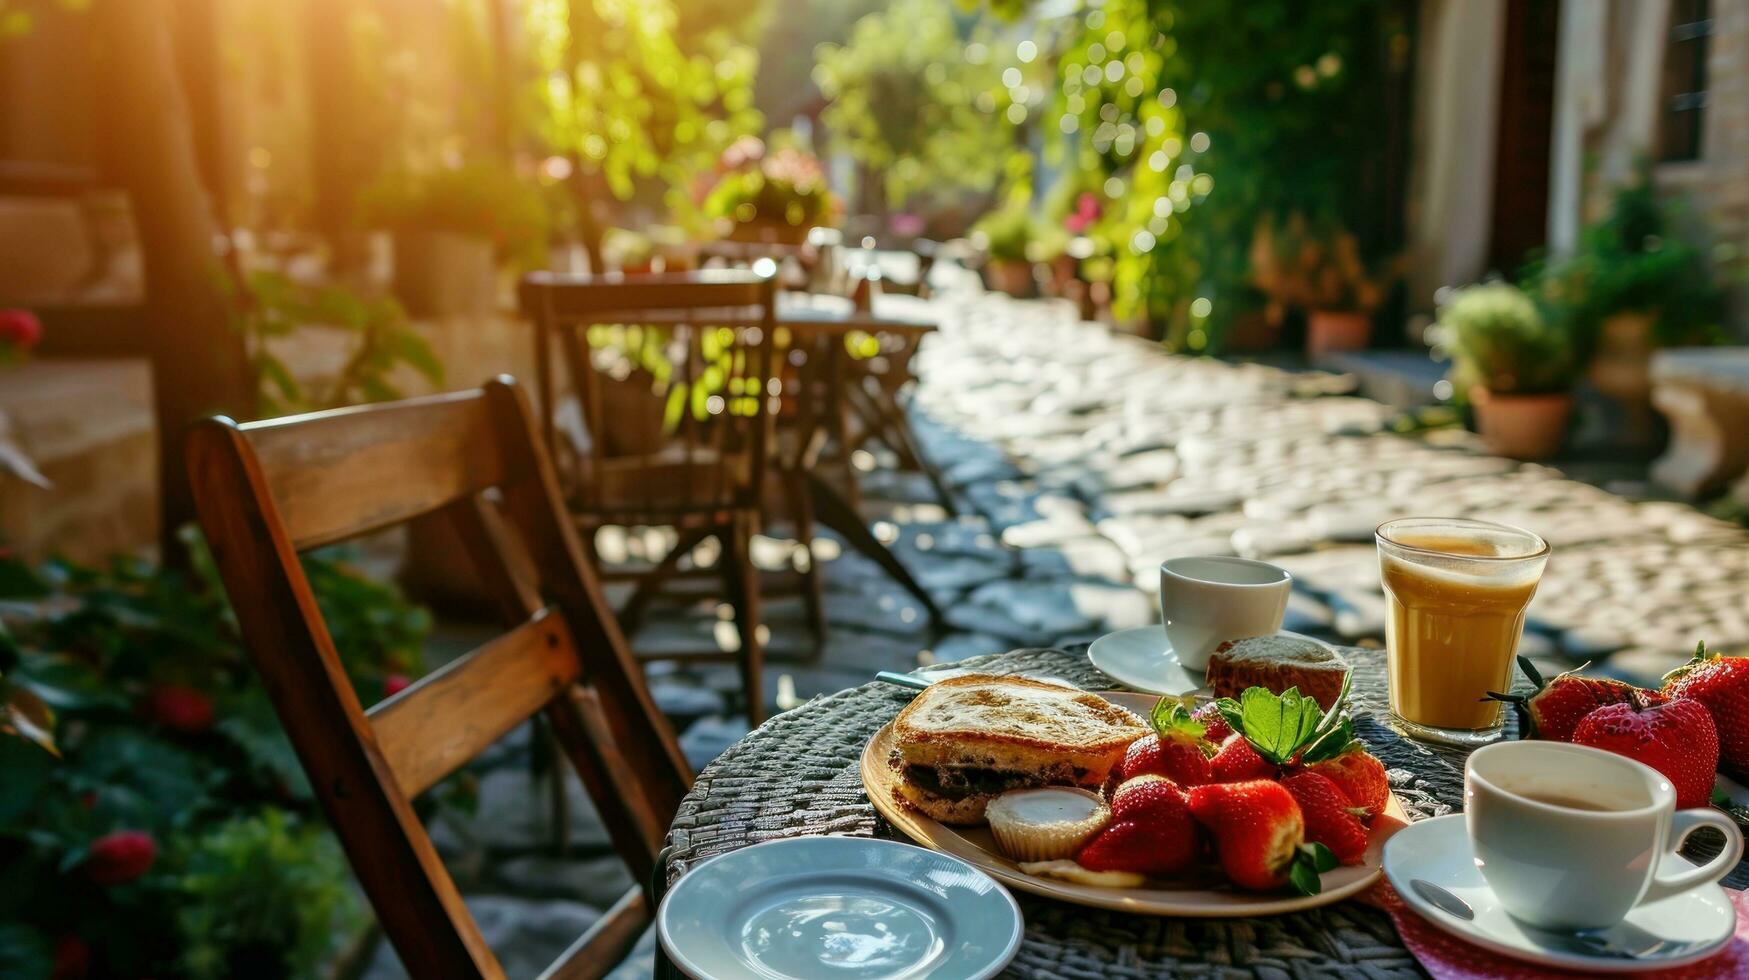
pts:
pixel 342 473
pixel 664 387
pixel 450 716
pixel 266 491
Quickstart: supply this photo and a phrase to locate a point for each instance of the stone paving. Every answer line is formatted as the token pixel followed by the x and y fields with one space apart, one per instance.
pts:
pixel 1080 460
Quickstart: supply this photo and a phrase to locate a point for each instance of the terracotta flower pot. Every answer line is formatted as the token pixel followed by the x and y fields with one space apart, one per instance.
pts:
pixel 1330 331
pixel 1522 426
pixel 1011 276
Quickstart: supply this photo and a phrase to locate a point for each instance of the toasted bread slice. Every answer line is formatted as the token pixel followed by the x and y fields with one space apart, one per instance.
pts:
pixel 1018 725
pixel 963 812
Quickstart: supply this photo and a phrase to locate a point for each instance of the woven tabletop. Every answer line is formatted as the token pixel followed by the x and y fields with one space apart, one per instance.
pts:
pixel 799 775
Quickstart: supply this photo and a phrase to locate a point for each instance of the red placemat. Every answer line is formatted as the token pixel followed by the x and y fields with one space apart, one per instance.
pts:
pixel 1447 957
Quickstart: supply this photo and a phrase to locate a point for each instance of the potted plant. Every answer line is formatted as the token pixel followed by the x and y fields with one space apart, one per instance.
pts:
pixel 628 251
pixel 1634 284
pixel 1516 367
pixel 1321 273
pixel 1005 235
pixel 769 196
pixel 451 228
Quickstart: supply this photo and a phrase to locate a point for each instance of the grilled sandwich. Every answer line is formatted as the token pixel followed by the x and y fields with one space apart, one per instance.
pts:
pixel 966 740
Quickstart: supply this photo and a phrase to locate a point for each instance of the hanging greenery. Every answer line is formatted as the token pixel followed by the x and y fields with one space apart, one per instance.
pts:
pixel 912 97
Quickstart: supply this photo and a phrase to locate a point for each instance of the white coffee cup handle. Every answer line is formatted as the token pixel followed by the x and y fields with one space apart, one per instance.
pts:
pixel 1686 822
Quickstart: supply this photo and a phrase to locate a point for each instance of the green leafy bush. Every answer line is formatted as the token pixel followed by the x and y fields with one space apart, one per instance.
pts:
pixel 1500 340
pixel 175 835
pixel 1637 258
pixel 1006 232
pixel 382 341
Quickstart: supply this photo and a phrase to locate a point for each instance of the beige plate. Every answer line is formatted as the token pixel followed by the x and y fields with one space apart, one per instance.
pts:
pixel 1208 896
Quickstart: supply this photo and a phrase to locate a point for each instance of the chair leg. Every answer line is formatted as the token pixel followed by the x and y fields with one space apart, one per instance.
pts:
pixel 837 513
pixel 899 426
pixel 801 506
pixel 651 584
pixel 743 582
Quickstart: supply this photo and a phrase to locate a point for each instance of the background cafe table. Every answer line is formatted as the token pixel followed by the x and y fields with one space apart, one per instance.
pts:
pixel 798 775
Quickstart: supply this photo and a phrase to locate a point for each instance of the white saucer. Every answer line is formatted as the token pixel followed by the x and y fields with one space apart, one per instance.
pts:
pixel 1698 922
pixel 1143 658
pixel 843 907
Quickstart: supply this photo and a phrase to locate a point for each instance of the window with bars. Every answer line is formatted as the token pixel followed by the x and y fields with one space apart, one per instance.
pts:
pixel 1685 80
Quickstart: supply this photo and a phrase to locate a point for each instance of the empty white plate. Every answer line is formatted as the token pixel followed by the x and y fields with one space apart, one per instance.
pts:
pixel 1692 925
pixel 849 907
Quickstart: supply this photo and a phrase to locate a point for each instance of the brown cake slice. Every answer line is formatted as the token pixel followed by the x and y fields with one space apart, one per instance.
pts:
pixel 1278 663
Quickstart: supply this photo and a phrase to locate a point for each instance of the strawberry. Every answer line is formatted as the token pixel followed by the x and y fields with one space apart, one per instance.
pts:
pixel 1555 709
pixel 1678 739
pixel 1258 832
pixel 1177 750
pixel 1238 761
pixel 1330 818
pixel 1721 685
pixel 1359 776
pixel 121 857
pixel 1151 832
pixel 1215 727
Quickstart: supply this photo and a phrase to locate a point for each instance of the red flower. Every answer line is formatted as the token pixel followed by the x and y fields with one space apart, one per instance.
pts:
pixel 72 958
pixel 20 328
pixel 180 708
pixel 121 857
pixel 394 684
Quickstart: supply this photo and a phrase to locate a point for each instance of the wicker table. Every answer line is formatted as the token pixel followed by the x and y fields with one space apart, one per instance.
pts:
pixel 798 775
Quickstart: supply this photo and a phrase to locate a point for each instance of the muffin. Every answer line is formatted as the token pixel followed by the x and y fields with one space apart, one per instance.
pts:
pixel 1047 823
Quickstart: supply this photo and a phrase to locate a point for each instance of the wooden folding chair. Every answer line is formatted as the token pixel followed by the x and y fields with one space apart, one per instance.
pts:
pixel 674 376
pixel 267 491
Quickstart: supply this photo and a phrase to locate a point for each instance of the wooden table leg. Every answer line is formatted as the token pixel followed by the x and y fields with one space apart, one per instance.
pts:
pixel 836 513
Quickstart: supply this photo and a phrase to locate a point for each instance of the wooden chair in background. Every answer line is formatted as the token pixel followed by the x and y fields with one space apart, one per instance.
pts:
pixel 267 491
pixel 673 374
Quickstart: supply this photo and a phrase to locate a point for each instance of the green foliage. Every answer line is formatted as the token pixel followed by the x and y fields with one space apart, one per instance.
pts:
pixel 1194 121
pixel 164 730
pixel 251 884
pixel 383 341
pixel 1498 338
pixel 785 186
pixel 1636 258
pixel 482 200
pixel 904 98
pixel 637 89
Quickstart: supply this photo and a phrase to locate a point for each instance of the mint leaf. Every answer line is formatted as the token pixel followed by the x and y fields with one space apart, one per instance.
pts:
pixel 1277 725
pixel 1171 715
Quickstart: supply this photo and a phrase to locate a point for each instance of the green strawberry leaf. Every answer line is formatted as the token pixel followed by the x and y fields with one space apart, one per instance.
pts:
pixel 1311 861
pixel 1171 715
pixel 1330 744
pixel 1530 671
pixel 1277 725
pixel 1338 708
pixel 1231 713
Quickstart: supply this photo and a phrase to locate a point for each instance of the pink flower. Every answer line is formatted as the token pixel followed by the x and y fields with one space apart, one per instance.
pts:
pixel 20 328
pixel 394 684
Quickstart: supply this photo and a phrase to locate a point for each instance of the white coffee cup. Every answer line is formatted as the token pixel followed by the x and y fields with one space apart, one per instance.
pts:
pixel 1206 601
pixel 1564 867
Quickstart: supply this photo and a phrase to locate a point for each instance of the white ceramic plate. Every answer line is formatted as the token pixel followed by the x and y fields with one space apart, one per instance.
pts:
pixel 1206 895
pixel 1143 659
pixel 1697 922
pixel 843 907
